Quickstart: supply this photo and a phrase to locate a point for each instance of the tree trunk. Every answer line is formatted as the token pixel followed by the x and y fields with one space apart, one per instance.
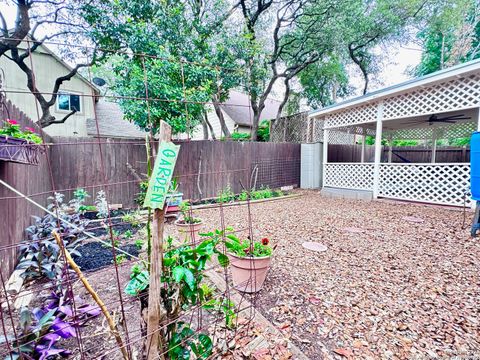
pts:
pixel 207 123
pixel 221 118
pixel 205 128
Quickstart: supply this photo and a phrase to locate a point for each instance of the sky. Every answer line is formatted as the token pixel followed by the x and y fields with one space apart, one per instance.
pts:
pixel 400 59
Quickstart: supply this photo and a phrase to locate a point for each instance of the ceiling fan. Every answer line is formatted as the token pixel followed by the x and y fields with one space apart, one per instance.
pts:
pixel 433 119
pixel 447 119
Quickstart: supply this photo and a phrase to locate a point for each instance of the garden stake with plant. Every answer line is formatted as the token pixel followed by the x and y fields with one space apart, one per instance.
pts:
pixel 155 198
pixel 94 295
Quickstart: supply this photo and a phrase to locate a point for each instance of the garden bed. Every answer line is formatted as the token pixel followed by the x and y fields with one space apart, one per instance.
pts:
pixel 397 280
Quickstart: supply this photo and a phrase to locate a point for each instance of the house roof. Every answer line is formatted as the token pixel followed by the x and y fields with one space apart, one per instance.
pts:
pixel 237 107
pixel 112 124
pixel 423 81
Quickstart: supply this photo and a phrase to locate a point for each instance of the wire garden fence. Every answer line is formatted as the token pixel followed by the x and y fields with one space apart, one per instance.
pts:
pixel 81 286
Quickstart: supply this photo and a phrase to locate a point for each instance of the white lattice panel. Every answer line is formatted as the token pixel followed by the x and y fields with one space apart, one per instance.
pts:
pixel 455 94
pixel 349 175
pixel 450 131
pixel 432 183
pixel 340 138
pixel 356 115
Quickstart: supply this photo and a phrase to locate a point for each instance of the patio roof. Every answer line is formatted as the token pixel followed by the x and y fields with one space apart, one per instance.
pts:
pixel 444 75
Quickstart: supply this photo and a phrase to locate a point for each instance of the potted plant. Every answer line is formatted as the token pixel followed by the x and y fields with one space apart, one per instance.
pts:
pixel 188 226
pixel 174 198
pixel 17 145
pixel 249 262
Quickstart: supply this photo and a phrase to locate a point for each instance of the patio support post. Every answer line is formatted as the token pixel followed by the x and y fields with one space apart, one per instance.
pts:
pixel 378 150
pixel 434 145
pixel 325 155
pixel 477 110
pixel 390 148
pixel 364 145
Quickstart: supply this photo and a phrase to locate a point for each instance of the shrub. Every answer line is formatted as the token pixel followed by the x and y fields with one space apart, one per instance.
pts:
pixel 240 136
pixel 226 195
pixel 41 256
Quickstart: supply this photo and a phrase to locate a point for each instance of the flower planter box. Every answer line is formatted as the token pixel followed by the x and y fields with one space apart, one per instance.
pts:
pixel 19 150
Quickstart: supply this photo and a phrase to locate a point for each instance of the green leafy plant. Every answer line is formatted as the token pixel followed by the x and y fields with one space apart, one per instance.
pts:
pixel 120 258
pixel 187 218
pixel 128 234
pixel 79 197
pixel 262 193
pixel 226 195
pixel 226 307
pixel 263 132
pixel 248 248
pixel 140 198
pixel 183 273
pixel 240 136
pixel 184 341
pixel 277 193
pixel 133 218
pixel 139 280
pixel 243 196
pixel 12 128
pixel 139 244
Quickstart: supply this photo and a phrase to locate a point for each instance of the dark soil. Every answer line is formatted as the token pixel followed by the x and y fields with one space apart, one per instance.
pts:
pixel 96 229
pixel 96 255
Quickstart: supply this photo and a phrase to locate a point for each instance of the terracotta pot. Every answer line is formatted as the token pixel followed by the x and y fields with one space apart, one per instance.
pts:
pixel 188 232
pixel 249 273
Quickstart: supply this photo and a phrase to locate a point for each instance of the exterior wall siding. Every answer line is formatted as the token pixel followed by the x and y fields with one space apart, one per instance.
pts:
pixel 47 69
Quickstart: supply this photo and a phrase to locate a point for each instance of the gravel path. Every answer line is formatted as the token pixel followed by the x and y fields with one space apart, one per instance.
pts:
pixel 398 281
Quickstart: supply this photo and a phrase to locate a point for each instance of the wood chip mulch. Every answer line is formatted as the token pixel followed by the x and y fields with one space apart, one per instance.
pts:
pixel 398 280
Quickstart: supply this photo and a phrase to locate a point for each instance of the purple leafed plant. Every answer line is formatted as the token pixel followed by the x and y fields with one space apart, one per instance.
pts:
pixel 42 328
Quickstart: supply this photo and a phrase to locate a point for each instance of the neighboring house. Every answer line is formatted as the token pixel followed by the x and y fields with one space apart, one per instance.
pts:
pixel 73 94
pixel 238 115
pixel 111 123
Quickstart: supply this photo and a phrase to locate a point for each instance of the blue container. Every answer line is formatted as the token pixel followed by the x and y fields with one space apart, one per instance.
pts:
pixel 475 165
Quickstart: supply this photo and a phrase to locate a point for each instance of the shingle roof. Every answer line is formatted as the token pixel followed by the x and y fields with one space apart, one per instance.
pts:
pixel 111 123
pixel 238 108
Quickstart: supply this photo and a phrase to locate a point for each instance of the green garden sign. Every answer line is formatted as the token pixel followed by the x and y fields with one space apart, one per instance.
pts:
pixel 161 175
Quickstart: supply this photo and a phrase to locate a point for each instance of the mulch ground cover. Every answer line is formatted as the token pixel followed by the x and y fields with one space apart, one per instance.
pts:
pixel 397 281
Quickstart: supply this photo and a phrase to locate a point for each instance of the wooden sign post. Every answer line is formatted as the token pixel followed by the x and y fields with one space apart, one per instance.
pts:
pixel 155 199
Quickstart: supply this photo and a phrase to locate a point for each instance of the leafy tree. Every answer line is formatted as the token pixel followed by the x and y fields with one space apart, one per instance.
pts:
pixel 324 81
pixel 450 35
pixel 167 32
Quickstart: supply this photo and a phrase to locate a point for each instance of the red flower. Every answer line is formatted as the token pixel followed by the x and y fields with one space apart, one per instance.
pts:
pixel 265 241
pixel 12 122
pixel 30 129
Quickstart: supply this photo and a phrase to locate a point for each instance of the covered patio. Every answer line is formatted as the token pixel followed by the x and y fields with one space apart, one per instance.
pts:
pixel 434 109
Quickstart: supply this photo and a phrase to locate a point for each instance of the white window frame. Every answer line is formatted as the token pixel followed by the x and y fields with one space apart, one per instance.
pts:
pixel 70 93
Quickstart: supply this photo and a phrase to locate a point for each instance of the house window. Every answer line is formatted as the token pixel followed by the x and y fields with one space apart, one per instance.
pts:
pixel 68 102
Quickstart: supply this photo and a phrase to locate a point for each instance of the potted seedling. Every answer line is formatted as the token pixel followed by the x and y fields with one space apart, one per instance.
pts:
pixel 188 226
pixel 174 198
pixel 249 262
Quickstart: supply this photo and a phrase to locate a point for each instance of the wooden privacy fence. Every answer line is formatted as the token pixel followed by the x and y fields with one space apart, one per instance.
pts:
pixel 400 154
pixel 203 169
pixel 15 213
